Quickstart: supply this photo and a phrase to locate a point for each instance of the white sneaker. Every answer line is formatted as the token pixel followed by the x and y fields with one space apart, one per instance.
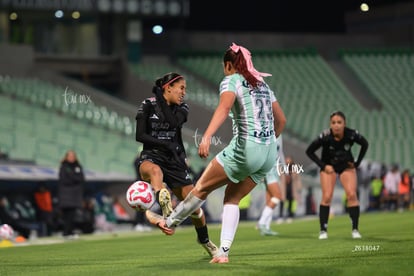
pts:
pixel 211 249
pixel 266 231
pixel 356 234
pixel 323 235
pixel 279 221
pixel 164 199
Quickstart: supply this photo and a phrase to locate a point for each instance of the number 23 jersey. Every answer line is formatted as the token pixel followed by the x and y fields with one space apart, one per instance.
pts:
pixel 251 114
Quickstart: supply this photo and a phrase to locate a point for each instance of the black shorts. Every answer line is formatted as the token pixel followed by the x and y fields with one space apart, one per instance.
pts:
pixel 341 167
pixel 176 172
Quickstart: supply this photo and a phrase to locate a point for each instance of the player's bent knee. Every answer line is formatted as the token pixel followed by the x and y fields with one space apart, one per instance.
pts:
pixel 155 171
pixel 197 214
pixel 275 200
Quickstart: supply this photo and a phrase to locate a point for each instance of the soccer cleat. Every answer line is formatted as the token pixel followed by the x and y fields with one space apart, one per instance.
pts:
pixel 323 235
pixel 266 231
pixel 356 234
pixel 159 221
pixel 211 248
pixel 220 260
pixel 164 199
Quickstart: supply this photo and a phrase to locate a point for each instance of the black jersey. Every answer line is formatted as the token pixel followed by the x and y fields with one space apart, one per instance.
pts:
pixel 337 153
pixel 159 126
pixel 159 129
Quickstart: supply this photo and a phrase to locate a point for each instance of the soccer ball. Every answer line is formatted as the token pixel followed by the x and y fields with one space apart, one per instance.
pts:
pixel 6 232
pixel 140 196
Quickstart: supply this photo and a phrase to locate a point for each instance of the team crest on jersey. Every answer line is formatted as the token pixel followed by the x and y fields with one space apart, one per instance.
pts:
pixel 347 146
pixel 187 176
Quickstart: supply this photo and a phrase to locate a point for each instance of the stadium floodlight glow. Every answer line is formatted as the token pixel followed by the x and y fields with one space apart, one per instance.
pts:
pixel 13 16
pixel 364 7
pixel 75 15
pixel 157 29
pixel 59 14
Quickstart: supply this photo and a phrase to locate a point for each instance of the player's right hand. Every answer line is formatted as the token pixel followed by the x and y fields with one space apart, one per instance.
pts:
pixel 204 147
pixel 329 169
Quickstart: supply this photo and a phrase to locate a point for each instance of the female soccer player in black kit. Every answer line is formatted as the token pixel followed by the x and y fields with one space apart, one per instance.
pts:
pixel 163 158
pixel 336 159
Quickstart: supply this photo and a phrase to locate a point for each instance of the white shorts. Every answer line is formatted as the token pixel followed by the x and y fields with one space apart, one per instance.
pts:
pixel 242 158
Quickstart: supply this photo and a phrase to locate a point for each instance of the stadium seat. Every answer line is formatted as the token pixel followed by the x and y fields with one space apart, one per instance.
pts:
pixel 309 90
pixel 37 124
pixel 388 76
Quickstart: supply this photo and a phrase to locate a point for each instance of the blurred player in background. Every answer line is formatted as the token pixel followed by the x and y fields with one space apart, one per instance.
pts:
pixel 337 161
pixel 257 120
pixel 273 192
pixel 163 158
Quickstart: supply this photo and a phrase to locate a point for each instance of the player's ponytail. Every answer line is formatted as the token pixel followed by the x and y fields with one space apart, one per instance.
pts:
pixel 241 59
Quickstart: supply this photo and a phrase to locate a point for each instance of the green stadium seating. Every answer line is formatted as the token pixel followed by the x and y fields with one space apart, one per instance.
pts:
pixel 36 124
pixel 388 74
pixel 309 90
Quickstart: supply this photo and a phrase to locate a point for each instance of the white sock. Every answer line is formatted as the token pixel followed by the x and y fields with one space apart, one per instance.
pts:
pixel 231 216
pixel 266 216
pixel 184 209
pixel 269 220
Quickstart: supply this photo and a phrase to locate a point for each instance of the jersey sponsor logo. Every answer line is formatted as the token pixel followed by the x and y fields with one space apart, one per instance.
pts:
pixel 163 134
pixel 160 125
pixel 259 90
pixel 263 134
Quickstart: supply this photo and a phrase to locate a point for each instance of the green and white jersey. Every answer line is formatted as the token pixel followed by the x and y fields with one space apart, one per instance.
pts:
pixel 251 113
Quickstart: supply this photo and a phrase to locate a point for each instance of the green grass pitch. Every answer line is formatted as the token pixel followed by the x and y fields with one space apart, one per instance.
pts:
pixel 387 248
